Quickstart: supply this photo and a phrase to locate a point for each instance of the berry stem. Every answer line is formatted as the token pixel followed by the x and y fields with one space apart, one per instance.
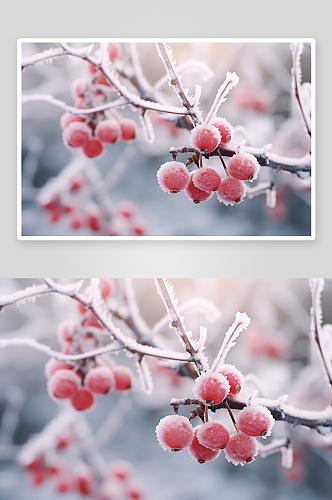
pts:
pixel 231 415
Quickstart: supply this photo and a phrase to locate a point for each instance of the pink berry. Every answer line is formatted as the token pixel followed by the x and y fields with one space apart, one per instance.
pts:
pixel 231 191
pixel 214 435
pixel 243 166
pixel 120 469
pixel 173 176
pixel 63 481
pixel 76 135
pixel 135 490
pixel 113 51
pixel 106 288
pixel 77 219
pixel 81 308
pixel 126 208
pixel 241 449
pixel 225 128
pixel 174 432
pixel 66 330
pixel 255 420
pixel 199 452
pixel 100 380
pixel 92 69
pixel 211 387
pixel 195 194
pixel 138 227
pixel 92 320
pixel 95 219
pixel 64 439
pixel 85 481
pixel 123 378
pixel 108 131
pixel 207 178
pixel 205 138
pixel 234 377
pixel 101 80
pixel 77 182
pixel 79 87
pixel 93 148
pixel 63 384
pixel 83 399
pixel 53 365
pixel 128 129
pixel 68 118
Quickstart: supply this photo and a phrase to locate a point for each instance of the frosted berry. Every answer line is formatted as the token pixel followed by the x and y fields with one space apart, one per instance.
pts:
pixel 211 387
pixel 92 320
pixel 102 80
pixel 53 365
pixel 195 194
pixel 106 288
pixel 214 435
pixel 205 138
pixel 95 219
pixel 126 208
pixel 174 432
pixel 68 118
pixel 66 331
pixel 241 449
pixel 207 178
pixel 85 481
pixel 234 377
pixel 231 191
pixel 100 380
pixel 123 378
pixel 225 129
pixel 93 148
pixel 64 439
pixel 255 420
pixel 120 469
pixel 173 176
pixel 63 384
pixel 63 482
pixel 128 129
pixel 76 219
pixel 79 87
pixel 76 135
pixel 243 166
pixel 83 399
pixel 135 490
pixel 138 227
pixel 113 51
pixel 199 452
pixel 108 131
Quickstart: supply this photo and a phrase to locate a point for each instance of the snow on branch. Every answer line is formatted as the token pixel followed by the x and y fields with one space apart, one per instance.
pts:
pixel 231 81
pixel 317 287
pixel 188 67
pixel 241 323
pixel 297 49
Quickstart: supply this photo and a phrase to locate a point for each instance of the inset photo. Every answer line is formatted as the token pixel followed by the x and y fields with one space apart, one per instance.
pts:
pixel 152 389
pixel 166 139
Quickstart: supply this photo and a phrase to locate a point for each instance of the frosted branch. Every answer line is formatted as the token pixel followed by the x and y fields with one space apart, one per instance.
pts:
pixel 297 49
pixel 231 81
pixel 187 67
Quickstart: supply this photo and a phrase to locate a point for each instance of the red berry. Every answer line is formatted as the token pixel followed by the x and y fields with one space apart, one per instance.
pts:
pixel 231 191
pixel 234 377
pixel 120 469
pixel 195 194
pixel 173 176
pixel 83 399
pixel 63 482
pixel 211 387
pixel 37 477
pixel 77 182
pixel 79 87
pixel 68 118
pixel 207 178
pixel 106 288
pixel 76 135
pixel 53 365
pixel 243 166
pixel 205 138
pixel 113 51
pixel 128 129
pixel 225 128
pixel 255 420
pixel 174 432
pixel 241 449
pixel 77 219
pixel 214 435
pixel 102 80
pixel 123 378
pixel 95 219
pixel 199 452
pixel 108 131
pixel 66 330
pixel 93 148
pixel 100 380
pixel 135 490
pixel 92 320
pixel 63 384
pixel 92 69
pixel 126 208
pixel 81 308
pixel 85 481
pixel 64 439
pixel 138 227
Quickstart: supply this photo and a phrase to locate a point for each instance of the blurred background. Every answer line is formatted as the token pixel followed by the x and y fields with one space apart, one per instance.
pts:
pixel 261 108
pixel 276 348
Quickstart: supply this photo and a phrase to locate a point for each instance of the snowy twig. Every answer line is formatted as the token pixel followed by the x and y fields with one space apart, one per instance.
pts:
pixel 297 49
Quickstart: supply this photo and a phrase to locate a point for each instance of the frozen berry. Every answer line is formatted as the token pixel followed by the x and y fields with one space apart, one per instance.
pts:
pixel 120 469
pixel 123 378
pixel 173 176
pixel 241 449
pixel 68 118
pixel 113 51
pixel 93 148
pixel 243 166
pixel 206 178
pixel 53 365
pixel 83 399
pixel 205 138
pixel 63 384
pixel 214 435
pixel 211 387
pixel 128 129
pixel 174 432
pixel 231 191
pixel 199 452
pixel 108 131
pixel 106 288
pixel 195 194
pixel 66 330
pixel 255 420
pixel 100 380
pixel 225 128
pixel 234 377
pixel 76 135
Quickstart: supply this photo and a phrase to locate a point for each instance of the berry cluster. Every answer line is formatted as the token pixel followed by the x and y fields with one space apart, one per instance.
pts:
pixel 81 382
pixel 205 441
pixel 199 185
